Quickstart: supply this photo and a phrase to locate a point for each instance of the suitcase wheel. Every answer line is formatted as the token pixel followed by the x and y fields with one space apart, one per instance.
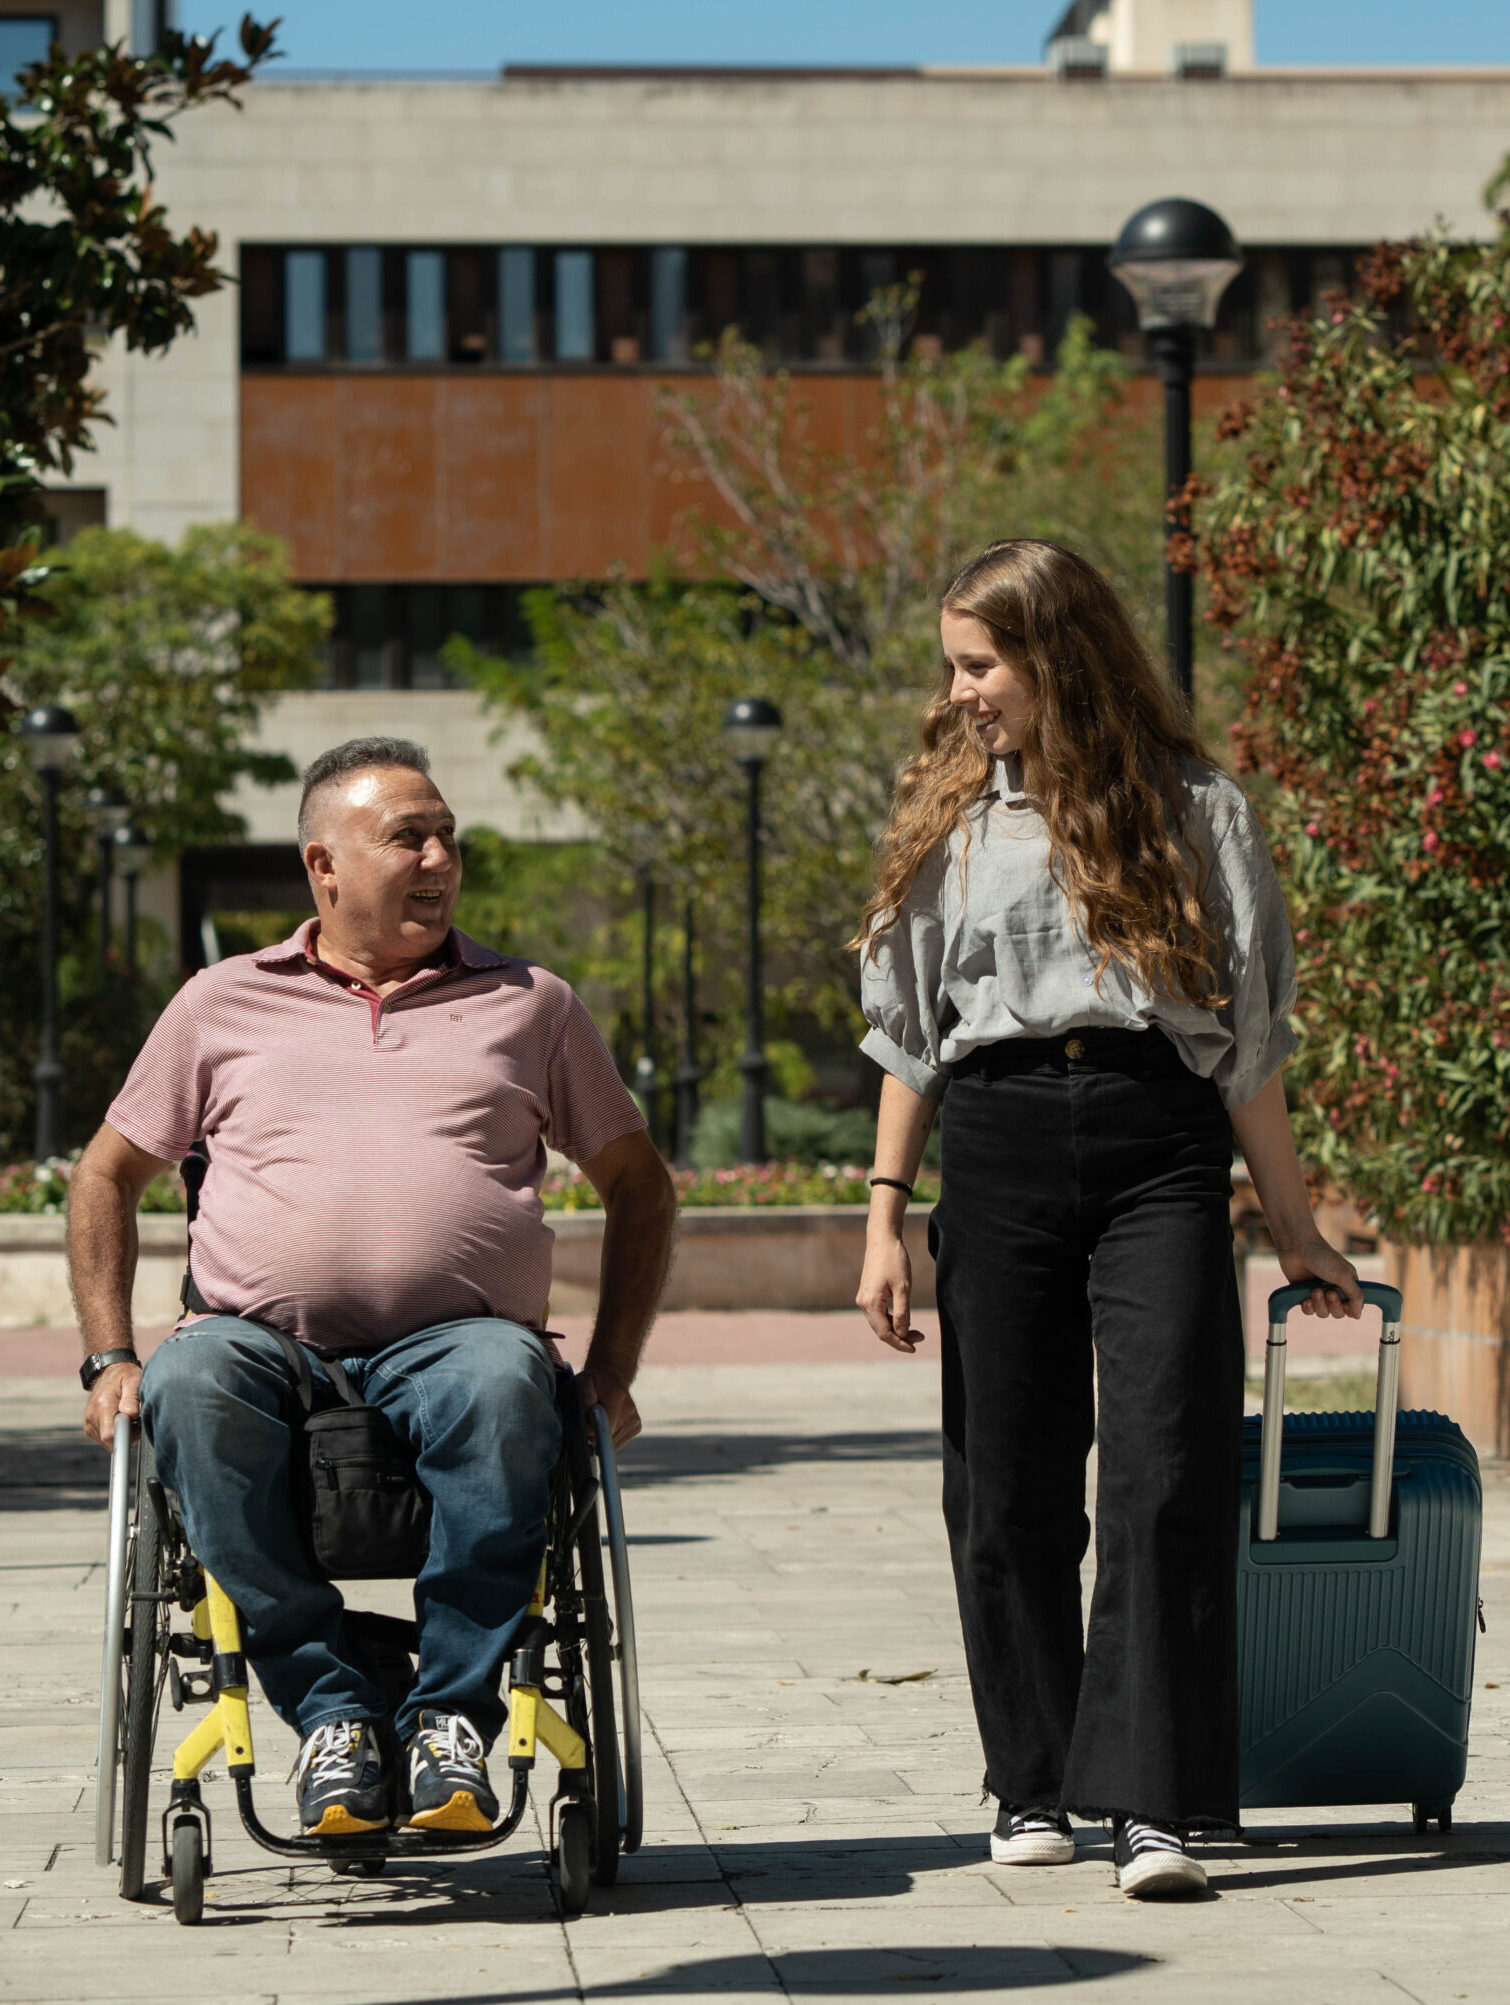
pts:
pixel 1425 1814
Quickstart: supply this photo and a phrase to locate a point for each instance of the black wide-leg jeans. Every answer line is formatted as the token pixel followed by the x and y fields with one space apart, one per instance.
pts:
pixel 1084 1254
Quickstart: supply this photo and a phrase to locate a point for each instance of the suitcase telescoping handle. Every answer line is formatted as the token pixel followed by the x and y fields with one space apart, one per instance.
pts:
pixel 1386 1401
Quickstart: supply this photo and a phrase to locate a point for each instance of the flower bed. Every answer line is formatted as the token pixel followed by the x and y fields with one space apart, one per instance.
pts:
pixel 751 1183
pixel 41 1189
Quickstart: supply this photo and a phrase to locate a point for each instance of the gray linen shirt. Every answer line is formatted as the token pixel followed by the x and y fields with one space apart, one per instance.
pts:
pixel 986 947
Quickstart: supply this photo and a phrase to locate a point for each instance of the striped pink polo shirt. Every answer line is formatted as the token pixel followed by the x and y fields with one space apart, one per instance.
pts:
pixel 375 1164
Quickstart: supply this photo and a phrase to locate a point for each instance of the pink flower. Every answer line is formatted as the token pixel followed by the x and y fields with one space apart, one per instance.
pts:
pixel 1460 689
pixel 1313 828
pixel 1431 1185
pixel 1467 738
pixel 1493 761
pixel 1435 797
pixel 1431 840
pixel 1370 707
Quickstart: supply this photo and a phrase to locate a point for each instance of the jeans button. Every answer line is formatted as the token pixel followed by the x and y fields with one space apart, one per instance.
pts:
pixel 1074 1049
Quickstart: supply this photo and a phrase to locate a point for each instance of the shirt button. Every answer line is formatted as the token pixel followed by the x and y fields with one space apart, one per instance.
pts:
pixel 1086 980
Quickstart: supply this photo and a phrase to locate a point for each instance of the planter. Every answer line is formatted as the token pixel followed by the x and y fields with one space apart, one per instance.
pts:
pixel 799 1256
pixel 756 1257
pixel 1455 1336
pixel 34 1271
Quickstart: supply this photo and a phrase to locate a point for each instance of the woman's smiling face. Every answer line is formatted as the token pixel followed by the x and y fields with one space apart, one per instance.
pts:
pixel 992 690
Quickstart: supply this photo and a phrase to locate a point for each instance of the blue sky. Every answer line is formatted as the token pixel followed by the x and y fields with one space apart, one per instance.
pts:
pixel 481 34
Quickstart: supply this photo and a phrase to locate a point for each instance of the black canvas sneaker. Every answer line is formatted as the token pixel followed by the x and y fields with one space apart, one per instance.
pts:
pixel 446 1777
pixel 338 1781
pixel 1031 1838
pixel 1152 1862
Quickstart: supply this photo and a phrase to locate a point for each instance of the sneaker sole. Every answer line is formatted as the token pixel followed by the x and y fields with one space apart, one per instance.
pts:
pixel 338 1822
pixel 1049 1850
pixel 461 1813
pixel 1167 1878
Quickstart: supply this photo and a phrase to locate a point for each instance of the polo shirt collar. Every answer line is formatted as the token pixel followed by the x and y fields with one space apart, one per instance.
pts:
pixel 461 950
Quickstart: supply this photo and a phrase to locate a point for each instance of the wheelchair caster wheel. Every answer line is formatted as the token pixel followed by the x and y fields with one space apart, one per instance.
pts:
pixel 574 1856
pixel 188 1872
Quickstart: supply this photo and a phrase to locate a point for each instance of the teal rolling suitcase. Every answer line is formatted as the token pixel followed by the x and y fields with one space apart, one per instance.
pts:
pixel 1357 1592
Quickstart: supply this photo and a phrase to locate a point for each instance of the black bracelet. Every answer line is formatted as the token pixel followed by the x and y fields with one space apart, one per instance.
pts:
pixel 892 1183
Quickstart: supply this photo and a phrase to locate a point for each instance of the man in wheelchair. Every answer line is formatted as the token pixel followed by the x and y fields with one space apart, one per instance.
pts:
pixel 376 1095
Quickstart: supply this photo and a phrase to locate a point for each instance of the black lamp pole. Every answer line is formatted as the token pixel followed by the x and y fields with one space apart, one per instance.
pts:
pixel 689 1073
pixel 50 732
pixel 109 810
pixel 645 1077
pixel 132 853
pixel 1176 258
pixel 752 726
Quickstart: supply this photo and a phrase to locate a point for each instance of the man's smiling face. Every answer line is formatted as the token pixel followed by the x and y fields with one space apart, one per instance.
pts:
pixel 384 863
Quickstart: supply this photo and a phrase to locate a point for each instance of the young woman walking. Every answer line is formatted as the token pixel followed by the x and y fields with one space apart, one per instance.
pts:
pixel 1077 931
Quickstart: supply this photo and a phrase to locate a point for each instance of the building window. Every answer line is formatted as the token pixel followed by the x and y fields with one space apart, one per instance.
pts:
pixel 304 306
pixel 517 338
pixel 425 306
pixel 394 636
pixel 668 304
pixel 24 39
pixel 364 304
pixel 576 332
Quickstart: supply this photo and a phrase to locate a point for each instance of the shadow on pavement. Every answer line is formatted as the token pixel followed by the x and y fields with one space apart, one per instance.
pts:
pixel 661 1458
pixel 1368 1857
pixel 842 1973
pixel 51 1469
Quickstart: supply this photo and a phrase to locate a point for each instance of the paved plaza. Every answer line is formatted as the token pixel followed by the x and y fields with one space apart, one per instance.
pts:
pixel 813 1824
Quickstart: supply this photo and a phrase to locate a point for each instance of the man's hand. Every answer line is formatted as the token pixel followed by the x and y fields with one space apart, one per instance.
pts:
pixel 600 1388
pixel 116 1390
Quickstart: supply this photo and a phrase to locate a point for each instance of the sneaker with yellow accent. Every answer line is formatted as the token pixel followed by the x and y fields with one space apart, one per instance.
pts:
pixel 339 1783
pixel 447 1778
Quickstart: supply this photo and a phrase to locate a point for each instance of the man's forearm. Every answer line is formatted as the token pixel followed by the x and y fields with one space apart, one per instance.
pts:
pixel 102 1251
pixel 638 1229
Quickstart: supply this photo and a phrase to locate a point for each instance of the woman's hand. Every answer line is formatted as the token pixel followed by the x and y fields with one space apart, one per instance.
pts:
pixel 886 1293
pixel 1315 1260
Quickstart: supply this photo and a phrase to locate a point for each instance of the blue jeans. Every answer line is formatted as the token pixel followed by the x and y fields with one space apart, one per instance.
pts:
pixel 474 1401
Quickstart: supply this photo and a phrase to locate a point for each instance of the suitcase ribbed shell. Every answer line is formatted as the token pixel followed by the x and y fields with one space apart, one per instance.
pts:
pixel 1356 1655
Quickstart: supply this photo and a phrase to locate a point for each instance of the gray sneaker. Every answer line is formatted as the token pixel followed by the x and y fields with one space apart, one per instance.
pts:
pixel 338 1781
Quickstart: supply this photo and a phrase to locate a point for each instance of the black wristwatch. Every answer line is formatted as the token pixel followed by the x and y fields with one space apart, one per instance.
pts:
pixel 99 1361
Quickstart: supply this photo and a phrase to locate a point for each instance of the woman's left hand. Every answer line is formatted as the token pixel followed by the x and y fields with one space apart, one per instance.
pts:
pixel 1315 1260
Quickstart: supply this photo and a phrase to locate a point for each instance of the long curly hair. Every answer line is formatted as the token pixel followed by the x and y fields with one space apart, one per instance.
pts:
pixel 1101 757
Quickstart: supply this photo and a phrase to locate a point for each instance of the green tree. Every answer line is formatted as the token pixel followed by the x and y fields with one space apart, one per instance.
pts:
pixel 1357 556
pixel 86 253
pixel 823 570
pixel 166 659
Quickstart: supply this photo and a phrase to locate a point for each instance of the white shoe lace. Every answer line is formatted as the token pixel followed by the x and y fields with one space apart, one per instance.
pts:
pixel 1145 1837
pixel 454 1741
pixel 329 1754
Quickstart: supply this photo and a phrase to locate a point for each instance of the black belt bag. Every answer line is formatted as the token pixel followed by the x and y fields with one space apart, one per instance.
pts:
pixel 365 1512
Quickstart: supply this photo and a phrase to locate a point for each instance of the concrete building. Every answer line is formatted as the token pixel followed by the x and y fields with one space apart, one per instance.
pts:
pixel 460 296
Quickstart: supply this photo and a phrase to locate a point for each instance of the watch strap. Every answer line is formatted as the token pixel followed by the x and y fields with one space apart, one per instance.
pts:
pixel 101 1361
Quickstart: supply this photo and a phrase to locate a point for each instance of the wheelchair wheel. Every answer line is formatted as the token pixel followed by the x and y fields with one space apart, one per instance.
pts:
pixel 107 1761
pixel 574 1874
pixel 597 1722
pixel 631 1805
pixel 146 1671
pixel 188 1872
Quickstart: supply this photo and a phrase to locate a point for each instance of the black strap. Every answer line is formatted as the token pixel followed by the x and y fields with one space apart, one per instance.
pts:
pixel 297 1355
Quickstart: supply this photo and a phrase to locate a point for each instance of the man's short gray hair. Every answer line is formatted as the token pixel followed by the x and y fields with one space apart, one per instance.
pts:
pixel 357 755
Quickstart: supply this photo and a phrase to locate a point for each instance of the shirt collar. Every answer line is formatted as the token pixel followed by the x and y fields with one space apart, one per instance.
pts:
pixel 461 951
pixel 1006 779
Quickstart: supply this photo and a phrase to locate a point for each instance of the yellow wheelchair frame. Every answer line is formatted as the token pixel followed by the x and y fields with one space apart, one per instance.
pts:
pixel 596 1810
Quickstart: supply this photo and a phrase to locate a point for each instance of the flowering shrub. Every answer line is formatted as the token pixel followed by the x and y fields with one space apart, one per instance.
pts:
pixel 752 1183
pixel 42 1188
pixel 1357 554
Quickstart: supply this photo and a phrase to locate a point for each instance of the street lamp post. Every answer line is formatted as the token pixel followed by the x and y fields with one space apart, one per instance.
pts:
pixel 109 810
pixel 133 852
pixel 646 1079
pixel 689 1073
pixel 1176 258
pixel 50 734
pixel 752 726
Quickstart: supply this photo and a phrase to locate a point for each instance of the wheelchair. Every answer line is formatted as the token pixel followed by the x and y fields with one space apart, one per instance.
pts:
pixel 574 1647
